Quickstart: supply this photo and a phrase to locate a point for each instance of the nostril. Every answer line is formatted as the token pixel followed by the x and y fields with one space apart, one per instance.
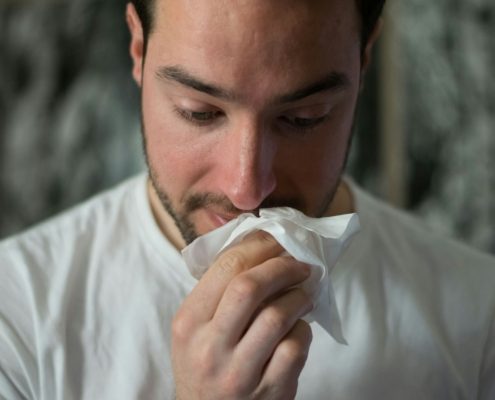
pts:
pixel 250 190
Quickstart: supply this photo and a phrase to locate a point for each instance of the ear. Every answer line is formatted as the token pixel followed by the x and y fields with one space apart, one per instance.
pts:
pixel 368 50
pixel 136 47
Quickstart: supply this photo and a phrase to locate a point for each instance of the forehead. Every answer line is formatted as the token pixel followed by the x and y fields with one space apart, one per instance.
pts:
pixel 257 42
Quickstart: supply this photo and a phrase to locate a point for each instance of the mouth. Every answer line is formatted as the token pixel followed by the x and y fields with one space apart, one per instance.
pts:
pixel 219 219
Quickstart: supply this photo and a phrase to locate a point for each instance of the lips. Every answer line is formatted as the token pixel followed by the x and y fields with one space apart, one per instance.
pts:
pixel 219 219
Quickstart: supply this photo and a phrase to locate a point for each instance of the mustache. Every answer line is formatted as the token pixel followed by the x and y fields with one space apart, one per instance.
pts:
pixel 203 200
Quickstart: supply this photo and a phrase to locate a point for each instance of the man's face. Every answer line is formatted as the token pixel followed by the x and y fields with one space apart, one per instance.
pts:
pixel 248 104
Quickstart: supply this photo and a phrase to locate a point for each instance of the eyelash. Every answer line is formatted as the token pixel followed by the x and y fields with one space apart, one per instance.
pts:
pixel 198 118
pixel 304 124
pixel 204 118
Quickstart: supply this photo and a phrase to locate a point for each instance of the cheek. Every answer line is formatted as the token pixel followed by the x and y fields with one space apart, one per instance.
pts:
pixel 317 167
pixel 319 157
pixel 312 169
pixel 173 153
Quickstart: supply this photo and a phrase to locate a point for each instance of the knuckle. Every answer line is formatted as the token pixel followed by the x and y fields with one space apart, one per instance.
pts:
pixel 274 319
pixel 206 361
pixel 234 385
pixel 295 349
pixel 231 262
pixel 265 237
pixel 293 353
pixel 244 286
pixel 181 326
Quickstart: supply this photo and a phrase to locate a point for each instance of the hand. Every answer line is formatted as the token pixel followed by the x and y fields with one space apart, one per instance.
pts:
pixel 239 335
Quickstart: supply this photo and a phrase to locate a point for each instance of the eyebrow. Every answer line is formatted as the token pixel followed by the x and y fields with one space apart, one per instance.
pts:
pixel 333 81
pixel 178 74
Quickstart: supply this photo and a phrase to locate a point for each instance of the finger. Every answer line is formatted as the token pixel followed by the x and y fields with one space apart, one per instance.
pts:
pixel 248 290
pixel 282 372
pixel 270 326
pixel 253 250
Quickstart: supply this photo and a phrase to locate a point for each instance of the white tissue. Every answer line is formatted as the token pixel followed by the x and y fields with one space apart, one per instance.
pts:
pixel 315 241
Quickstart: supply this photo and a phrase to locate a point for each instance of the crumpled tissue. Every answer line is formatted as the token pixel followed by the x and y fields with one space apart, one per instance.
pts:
pixel 316 241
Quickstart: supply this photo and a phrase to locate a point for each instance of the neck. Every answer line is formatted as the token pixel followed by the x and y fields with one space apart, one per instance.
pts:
pixel 342 202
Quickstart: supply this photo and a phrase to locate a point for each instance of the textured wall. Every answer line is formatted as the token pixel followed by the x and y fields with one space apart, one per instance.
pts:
pixel 69 121
pixel 68 110
pixel 449 54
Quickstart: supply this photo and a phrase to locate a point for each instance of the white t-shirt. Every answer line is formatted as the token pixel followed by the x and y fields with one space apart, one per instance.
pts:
pixel 86 301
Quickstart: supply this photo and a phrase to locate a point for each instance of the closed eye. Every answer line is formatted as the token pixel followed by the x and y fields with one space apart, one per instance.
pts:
pixel 303 124
pixel 199 118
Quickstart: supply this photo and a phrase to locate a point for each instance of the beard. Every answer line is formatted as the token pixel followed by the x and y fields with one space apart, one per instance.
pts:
pixel 182 216
pixel 191 202
pixel 196 201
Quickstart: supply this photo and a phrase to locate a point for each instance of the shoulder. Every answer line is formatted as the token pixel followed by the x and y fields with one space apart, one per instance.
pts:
pixel 397 231
pixel 426 282
pixel 57 279
pixel 434 272
pixel 83 222
pixel 33 259
pixel 38 265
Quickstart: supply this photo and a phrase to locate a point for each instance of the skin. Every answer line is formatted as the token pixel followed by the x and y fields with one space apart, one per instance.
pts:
pixel 245 104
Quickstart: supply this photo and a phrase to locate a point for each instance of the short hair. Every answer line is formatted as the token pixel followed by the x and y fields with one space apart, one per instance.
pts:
pixel 370 11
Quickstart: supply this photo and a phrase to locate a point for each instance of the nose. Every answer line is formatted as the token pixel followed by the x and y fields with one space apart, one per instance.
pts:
pixel 246 165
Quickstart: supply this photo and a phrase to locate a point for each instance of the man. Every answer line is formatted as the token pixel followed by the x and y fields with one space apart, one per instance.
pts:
pixel 245 104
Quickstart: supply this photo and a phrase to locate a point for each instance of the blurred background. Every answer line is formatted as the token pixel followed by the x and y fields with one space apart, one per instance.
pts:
pixel 69 121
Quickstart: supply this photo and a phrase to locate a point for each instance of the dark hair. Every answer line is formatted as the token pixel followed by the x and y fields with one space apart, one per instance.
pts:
pixel 370 11
pixel 144 9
